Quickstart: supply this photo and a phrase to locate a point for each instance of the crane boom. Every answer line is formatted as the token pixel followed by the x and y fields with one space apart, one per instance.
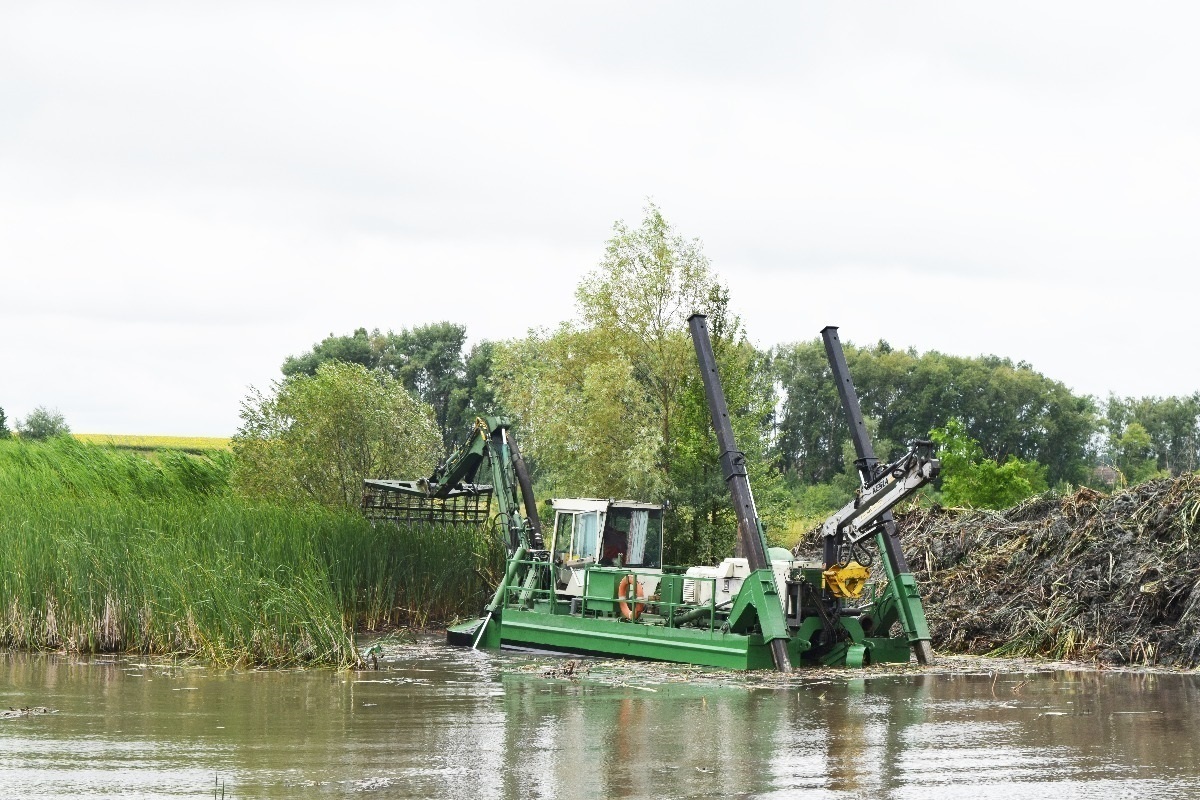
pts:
pixel 860 518
pixel 490 439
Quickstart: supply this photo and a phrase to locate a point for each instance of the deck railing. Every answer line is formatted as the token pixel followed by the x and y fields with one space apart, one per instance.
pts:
pixel 526 592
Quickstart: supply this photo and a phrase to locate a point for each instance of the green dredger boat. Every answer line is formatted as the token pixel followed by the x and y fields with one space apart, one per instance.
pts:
pixel 599 587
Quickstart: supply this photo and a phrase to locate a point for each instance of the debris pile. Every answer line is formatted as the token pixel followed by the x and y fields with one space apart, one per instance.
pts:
pixel 1086 576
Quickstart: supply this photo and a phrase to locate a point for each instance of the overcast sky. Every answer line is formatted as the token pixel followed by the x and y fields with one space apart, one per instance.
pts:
pixel 188 194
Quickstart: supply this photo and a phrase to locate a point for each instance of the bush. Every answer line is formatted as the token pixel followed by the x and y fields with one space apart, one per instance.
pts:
pixel 317 437
pixel 969 479
pixel 42 424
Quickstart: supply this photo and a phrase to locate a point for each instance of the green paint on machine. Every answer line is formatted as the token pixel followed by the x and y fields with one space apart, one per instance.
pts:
pixel 723 616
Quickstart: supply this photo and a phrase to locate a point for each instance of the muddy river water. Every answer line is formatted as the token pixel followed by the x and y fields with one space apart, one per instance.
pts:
pixel 436 722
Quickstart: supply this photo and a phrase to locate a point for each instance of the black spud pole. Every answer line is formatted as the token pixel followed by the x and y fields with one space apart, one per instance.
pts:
pixel 866 464
pixel 751 541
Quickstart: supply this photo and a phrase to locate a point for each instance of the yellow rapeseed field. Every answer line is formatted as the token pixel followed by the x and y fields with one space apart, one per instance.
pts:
pixel 131 442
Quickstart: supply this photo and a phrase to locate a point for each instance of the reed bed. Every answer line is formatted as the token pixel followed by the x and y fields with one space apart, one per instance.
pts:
pixel 105 550
pixel 67 468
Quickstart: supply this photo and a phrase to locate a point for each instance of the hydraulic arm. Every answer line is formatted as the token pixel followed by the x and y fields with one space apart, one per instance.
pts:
pixel 491 440
pixel 861 517
pixel 882 488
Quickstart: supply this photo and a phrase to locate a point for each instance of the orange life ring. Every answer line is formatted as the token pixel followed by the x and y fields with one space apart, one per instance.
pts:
pixel 623 593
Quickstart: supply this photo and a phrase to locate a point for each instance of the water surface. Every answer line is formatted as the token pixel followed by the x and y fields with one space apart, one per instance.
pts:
pixel 436 721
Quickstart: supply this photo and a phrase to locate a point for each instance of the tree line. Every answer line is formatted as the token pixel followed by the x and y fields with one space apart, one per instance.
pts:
pixel 610 403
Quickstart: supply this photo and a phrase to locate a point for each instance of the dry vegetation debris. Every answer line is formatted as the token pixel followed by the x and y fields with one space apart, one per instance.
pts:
pixel 1086 576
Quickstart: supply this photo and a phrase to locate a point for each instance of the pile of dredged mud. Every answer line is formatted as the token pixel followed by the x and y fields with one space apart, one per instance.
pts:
pixel 1113 578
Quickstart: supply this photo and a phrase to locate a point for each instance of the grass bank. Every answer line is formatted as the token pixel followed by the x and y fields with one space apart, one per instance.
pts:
pixel 102 549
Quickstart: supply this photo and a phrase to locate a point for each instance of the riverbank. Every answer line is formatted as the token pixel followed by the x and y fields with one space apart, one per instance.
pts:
pixel 106 550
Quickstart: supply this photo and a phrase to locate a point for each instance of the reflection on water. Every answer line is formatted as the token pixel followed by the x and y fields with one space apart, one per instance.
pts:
pixel 446 722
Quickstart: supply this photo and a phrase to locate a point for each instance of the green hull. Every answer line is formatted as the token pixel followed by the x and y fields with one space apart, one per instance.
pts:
pixel 611 637
pixel 523 615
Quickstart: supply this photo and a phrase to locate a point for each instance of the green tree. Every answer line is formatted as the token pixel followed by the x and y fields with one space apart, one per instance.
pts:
pixel 4 431
pixel 316 437
pixel 357 348
pixel 474 396
pixel 585 423
pixel 1134 454
pixel 1172 425
pixel 1010 409
pixel 428 360
pixel 970 479
pixel 613 405
pixel 649 282
pixel 812 426
pixel 42 423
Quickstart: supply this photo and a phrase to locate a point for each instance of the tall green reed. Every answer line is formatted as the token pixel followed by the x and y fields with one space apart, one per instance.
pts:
pixel 107 550
pixel 65 466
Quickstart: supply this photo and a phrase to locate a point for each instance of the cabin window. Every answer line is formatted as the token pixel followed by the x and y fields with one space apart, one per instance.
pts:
pixel 564 528
pixel 576 536
pixel 620 537
pixel 632 538
pixel 652 555
pixel 587 526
